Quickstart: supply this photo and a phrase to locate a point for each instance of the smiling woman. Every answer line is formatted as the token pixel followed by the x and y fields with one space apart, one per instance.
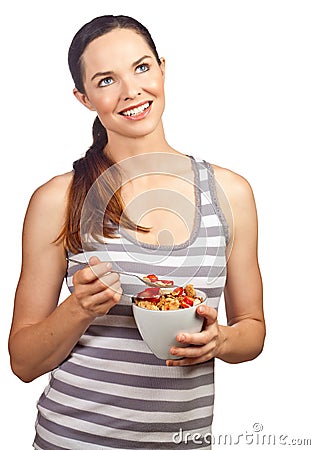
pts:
pixel 131 204
pixel 131 79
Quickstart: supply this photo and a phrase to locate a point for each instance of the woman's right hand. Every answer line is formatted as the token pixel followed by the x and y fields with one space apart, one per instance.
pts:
pixel 95 290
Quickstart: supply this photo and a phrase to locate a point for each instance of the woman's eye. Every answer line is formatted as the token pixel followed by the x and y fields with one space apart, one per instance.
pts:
pixel 142 68
pixel 106 82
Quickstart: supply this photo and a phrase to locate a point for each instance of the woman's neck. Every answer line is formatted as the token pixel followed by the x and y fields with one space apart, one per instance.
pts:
pixel 121 147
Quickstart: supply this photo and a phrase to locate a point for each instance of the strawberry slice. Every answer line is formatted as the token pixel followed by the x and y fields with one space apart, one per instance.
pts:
pixel 149 293
pixel 153 278
pixel 167 282
pixel 187 302
pixel 178 291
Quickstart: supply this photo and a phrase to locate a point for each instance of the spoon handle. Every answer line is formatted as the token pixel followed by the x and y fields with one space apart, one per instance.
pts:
pixel 148 283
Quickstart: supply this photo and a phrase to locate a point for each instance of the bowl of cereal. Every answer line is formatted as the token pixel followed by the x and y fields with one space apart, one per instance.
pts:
pixel 163 313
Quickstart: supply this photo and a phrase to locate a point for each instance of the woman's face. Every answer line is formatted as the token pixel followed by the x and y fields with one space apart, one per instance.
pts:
pixel 124 83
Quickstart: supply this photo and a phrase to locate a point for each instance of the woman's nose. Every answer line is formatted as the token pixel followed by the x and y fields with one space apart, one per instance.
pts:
pixel 130 89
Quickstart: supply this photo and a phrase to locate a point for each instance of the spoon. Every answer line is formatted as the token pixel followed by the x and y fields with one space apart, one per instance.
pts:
pixel 145 281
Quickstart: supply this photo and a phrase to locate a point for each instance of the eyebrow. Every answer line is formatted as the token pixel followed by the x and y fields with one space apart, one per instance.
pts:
pixel 110 72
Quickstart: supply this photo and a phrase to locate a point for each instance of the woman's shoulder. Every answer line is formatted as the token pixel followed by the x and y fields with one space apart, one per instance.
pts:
pixel 46 213
pixel 52 193
pixel 233 184
pixel 56 186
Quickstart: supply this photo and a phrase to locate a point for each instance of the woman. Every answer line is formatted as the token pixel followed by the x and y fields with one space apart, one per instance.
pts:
pixel 133 202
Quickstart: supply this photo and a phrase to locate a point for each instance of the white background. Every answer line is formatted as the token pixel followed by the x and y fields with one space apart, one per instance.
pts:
pixel 241 94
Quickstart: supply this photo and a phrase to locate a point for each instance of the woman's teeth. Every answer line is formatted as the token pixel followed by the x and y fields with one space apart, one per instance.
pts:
pixel 135 111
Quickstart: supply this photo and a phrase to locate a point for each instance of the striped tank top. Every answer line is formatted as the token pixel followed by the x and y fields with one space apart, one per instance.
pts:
pixel 111 392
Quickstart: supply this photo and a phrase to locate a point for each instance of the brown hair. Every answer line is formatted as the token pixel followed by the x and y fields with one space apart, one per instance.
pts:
pixel 88 169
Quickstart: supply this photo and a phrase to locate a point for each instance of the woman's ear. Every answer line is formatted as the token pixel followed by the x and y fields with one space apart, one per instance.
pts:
pixel 83 99
pixel 162 66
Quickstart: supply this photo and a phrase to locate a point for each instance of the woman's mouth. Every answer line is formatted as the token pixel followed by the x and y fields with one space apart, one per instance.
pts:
pixel 137 112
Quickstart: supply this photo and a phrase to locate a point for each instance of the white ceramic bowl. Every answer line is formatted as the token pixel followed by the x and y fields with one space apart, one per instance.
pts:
pixel 160 328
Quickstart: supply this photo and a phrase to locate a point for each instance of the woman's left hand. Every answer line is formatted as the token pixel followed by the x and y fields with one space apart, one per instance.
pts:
pixel 203 346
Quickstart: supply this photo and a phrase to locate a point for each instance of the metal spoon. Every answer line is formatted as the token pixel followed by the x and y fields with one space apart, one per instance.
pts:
pixel 147 282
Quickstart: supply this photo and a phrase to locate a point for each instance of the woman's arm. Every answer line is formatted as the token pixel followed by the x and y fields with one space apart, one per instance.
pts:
pixel 243 338
pixel 43 333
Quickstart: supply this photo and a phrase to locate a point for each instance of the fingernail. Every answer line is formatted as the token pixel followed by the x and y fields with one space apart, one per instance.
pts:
pixel 201 309
pixel 181 338
pixel 108 265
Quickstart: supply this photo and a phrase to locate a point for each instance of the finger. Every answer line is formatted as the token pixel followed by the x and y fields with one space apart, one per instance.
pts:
pixel 210 314
pixel 109 283
pixel 109 279
pixel 106 296
pixel 99 269
pixel 188 352
pixel 193 351
pixel 189 361
pixel 113 289
pixel 103 308
pixel 101 302
pixel 85 276
pixel 201 338
pixel 94 260
pixel 92 273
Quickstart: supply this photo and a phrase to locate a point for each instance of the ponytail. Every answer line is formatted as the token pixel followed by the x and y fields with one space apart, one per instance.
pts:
pixel 87 172
pixel 100 138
